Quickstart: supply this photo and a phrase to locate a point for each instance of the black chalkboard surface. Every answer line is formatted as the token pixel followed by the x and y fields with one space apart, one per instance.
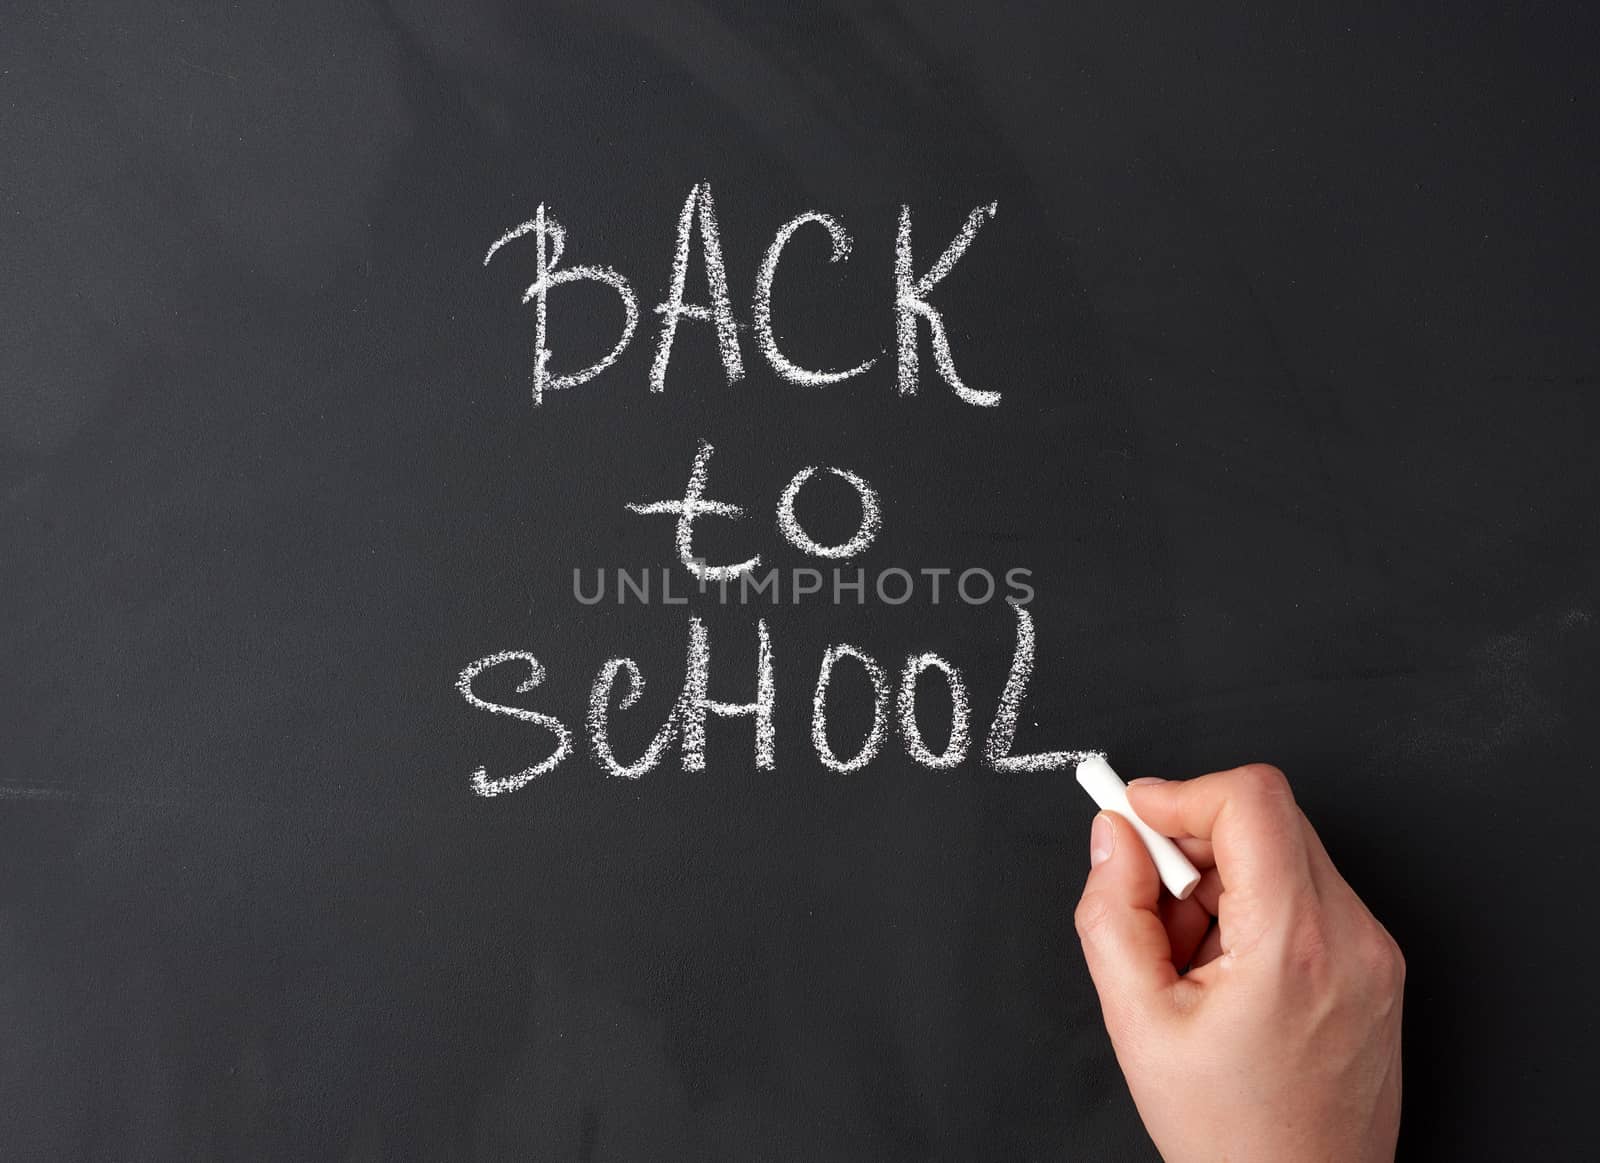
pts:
pixel 1266 407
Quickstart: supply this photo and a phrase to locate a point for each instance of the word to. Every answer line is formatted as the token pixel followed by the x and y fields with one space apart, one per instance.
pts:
pixel 693 506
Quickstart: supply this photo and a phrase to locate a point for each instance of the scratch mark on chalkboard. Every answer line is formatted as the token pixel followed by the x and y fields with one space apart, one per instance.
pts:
pixel 588 1132
pixel 208 72
pixel 14 792
pixel 59 794
pixel 1508 697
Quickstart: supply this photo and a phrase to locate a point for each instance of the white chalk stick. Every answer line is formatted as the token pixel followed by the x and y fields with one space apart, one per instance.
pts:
pixel 1108 791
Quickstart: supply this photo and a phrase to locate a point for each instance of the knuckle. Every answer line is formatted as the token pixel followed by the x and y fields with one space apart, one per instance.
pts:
pixel 1373 956
pixel 1264 781
pixel 1392 962
pixel 1090 915
pixel 1381 964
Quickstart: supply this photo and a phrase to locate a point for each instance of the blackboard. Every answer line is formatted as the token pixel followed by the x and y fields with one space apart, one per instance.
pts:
pixel 1291 320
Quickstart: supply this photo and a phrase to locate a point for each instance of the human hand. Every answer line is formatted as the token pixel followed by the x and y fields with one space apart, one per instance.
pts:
pixel 1271 1035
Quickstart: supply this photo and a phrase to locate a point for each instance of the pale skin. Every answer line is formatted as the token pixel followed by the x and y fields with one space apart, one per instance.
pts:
pixel 1271 1035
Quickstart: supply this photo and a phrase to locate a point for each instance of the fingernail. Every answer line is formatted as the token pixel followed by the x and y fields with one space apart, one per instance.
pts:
pixel 1144 779
pixel 1102 839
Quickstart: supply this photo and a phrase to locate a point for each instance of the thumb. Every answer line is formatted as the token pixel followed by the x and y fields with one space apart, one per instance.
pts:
pixel 1124 941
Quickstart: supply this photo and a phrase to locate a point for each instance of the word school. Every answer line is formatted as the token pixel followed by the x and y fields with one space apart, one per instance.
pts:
pixel 685 725
pixel 699 211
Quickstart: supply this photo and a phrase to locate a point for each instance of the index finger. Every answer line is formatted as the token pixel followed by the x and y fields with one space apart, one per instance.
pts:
pixel 1249 816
